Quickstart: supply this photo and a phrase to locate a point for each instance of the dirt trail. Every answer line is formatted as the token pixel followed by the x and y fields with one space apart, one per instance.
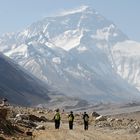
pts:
pixel 79 134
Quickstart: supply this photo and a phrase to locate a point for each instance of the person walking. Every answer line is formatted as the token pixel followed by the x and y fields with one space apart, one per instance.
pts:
pixel 57 119
pixel 86 120
pixel 71 119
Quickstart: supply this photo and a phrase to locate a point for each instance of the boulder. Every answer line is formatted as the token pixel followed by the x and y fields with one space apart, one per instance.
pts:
pixel 43 119
pixel 40 112
pixel 40 127
pixel 26 123
pixel 95 114
pixel 22 116
pixel 101 118
pixel 28 133
pixel 110 120
pixel 37 119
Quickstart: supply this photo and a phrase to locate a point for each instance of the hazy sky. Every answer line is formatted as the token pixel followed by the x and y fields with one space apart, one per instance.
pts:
pixel 15 15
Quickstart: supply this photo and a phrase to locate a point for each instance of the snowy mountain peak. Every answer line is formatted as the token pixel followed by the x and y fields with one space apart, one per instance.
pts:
pixel 80 54
pixel 69 31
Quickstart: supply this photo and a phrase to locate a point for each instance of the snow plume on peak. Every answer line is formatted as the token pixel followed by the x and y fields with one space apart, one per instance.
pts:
pixel 76 10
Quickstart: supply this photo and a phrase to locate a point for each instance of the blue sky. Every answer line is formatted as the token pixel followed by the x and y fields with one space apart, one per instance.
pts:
pixel 15 15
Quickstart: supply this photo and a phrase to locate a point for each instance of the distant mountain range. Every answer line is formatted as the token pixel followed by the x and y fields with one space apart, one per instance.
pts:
pixel 81 54
pixel 18 86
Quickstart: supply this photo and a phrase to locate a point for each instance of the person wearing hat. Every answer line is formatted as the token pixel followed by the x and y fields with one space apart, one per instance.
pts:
pixel 86 119
pixel 71 119
pixel 57 119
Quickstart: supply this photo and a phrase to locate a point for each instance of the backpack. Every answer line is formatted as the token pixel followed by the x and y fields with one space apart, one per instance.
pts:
pixel 70 118
pixel 57 116
pixel 86 118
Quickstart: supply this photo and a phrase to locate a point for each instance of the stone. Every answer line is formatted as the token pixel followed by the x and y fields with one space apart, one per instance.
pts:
pixel 40 127
pixel 29 133
pixel 43 119
pixel 95 114
pixel 22 116
pixel 34 118
pixel 110 119
pixel 101 118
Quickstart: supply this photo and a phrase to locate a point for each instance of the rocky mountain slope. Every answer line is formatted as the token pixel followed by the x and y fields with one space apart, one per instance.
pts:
pixel 78 53
pixel 126 57
pixel 18 86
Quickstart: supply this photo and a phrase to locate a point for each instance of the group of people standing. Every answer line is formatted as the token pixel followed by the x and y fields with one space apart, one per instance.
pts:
pixel 57 119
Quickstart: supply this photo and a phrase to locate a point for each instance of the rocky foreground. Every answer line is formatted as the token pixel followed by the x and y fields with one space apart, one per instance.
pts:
pixel 20 123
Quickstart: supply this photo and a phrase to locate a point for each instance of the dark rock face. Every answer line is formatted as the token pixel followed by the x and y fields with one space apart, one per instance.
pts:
pixel 18 86
pixel 95 114
pixel 37 119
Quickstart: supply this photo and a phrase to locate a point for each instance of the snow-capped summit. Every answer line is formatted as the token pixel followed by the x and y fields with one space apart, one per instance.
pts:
pixel 79 53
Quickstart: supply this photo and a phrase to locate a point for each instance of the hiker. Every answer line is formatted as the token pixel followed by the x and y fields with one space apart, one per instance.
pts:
pixel 57 119
pixel 86 119
pixel 71 119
